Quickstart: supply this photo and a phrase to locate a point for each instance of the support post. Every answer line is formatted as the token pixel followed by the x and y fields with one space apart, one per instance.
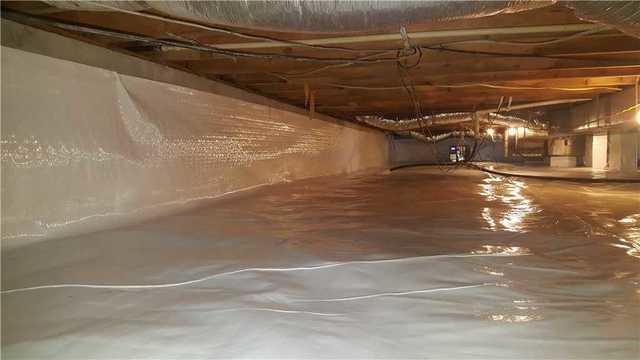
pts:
pixel 476 124
pixel 506 143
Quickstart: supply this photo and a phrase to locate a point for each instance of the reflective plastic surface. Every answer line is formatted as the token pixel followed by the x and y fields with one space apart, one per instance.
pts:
pixel 415 263
pixel 94 148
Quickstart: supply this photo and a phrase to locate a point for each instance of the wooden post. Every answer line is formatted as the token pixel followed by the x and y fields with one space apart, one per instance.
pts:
pixel 506 143
pixel 312 104
pixel 476 124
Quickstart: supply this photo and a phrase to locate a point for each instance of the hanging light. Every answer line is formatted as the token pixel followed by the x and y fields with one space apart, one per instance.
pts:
pixel 513 131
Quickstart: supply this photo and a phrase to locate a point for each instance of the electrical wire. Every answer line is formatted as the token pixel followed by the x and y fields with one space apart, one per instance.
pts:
pixel 338 62
pixel 233 32
pixel 190 45
pixel 525 43
pixel 287 76
pixel 492 86
pixel 477 147
pixel 409 87
pixel 441 48
pixel 324 47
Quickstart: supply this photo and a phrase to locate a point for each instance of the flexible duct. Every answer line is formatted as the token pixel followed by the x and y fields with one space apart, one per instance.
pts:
pixel 347 16
pixel 440 137
pixel 503 120
pixel 441 120
pixel 535 133
pixel 527 133
pixel 414 124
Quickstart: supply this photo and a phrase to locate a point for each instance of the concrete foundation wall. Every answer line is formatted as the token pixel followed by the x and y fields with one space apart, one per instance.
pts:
pixel 403 151
pixel 629 148
pixel 614 145
pixel 587 159
pixel 86 148
pixel 599 151
pixel 615 149
pixel 562 161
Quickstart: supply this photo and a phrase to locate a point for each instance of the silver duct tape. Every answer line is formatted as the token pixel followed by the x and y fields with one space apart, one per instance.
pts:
pixel 102 149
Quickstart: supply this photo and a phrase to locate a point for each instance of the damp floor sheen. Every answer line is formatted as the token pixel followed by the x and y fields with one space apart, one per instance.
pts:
pixel 417 263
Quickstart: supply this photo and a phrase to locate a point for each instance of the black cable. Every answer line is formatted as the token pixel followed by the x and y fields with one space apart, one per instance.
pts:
pixel 327 67
pixel 29 19
pixel 475 52
pixel 409 87
pixel 235 32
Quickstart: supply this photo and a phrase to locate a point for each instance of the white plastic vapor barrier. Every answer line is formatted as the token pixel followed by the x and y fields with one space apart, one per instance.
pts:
pixel 85 149
pixel 417 263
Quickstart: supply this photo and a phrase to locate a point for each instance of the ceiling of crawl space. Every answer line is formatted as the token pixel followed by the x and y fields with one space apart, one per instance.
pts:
pixel 426 66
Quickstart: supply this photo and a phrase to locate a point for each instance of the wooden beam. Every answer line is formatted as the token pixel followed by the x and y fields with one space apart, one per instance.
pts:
pixel 446 95
pixel 382 79
pixel 421 35
pixel 594 43
pixel 600 53
pixel 544 84
pixel 387 71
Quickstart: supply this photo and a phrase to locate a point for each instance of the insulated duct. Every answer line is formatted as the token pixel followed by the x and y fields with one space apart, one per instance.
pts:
pixel 441 120
pixel 503 120
pixel 527 133
pixel 534 133
pixel 440 137
pixel 414 124
pixel 355 16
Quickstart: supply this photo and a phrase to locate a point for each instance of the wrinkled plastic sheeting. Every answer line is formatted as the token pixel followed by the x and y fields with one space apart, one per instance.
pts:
pixel 84 148
pixel 317 15
pixel 417 263
pixel 359 15
pixel 624 15
pixel 335 16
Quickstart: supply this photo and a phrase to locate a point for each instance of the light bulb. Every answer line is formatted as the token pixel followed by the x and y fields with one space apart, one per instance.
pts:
pixel 490 132
pixel 513 131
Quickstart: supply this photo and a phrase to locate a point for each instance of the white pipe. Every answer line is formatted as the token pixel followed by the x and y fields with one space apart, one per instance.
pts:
pixel 424 35
pixel 537 104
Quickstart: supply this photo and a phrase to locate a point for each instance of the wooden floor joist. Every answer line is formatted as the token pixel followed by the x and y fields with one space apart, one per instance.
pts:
pixel 529 56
